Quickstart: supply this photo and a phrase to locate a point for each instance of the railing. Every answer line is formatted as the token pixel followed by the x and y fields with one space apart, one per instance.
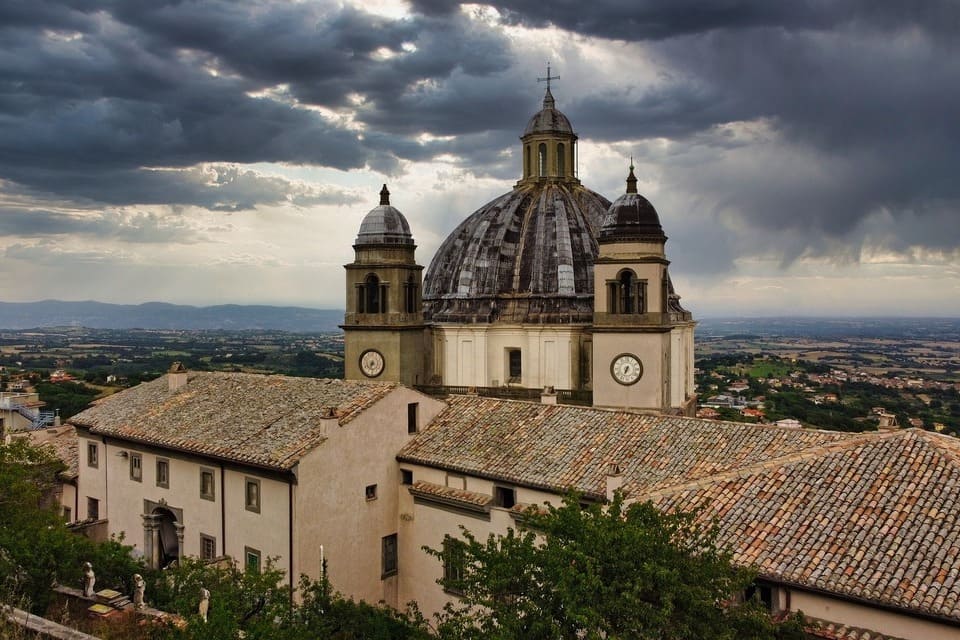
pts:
pixel 564 396
pixel 38 419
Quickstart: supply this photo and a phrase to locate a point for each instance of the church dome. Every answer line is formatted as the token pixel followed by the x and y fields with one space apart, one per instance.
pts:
pixel 631 217
pixel 525 257
pixel 384 225
pixel 548 119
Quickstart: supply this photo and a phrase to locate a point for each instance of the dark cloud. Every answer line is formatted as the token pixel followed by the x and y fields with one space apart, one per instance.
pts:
pixel 136 227
pixel 857 100
pixel 94 95
pixel 662 19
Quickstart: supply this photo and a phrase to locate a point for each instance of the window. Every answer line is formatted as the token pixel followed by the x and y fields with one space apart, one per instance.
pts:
pixel 370 492
pixel 542 154
pixel 208 547
pixel 251 559
pixel 454 560
pixel 763 593
pixel 207 486
pixel 504 497
pixel 514 365
pixel 136 467
pixel 412 410
pixel 406 476
pixel 373 302
pixel 527 164
pixel 163 473
pixel 561 163
pixel 67 514
pixel 93 457
pixel 410 295
pixel 626 294
pixel 93 509
pixel 389 555
pixel 252 494
pixel 455 481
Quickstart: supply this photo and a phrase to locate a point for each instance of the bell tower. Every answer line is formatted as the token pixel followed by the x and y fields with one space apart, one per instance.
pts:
pixel 642 337
pixel 383 325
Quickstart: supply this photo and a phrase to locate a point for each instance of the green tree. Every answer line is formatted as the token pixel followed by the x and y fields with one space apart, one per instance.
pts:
pixel 36 548
pixel 613 571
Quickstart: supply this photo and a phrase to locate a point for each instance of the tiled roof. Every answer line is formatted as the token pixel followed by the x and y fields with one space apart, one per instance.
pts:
pixel 63 442
pixel 270 421
pixel 825 630
pixel 874 519
pixel 451 495
pixel 557 447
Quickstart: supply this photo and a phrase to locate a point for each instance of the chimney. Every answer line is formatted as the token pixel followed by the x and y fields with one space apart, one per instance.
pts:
pixel 177 376
pixel 548 395
pixel 614 480
pixel 328 418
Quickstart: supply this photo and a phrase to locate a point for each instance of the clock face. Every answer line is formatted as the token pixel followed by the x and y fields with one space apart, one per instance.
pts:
pixel 371 363
pixel 626 368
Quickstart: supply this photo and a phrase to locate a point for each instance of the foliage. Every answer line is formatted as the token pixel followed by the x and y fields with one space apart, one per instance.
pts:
pixel 69 397
pixel 36 548
pixel 593 572
pixel 260 604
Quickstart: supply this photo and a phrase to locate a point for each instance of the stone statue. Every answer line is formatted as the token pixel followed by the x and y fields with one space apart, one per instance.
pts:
pixel 89 579
pixel 139 586
pixel 204 602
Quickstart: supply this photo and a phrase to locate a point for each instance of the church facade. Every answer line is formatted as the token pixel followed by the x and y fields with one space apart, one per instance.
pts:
pixel 547 286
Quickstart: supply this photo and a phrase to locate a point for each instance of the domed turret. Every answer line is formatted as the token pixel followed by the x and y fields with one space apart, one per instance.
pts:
pixel 631 217
pixel 384 224
pixel 548 119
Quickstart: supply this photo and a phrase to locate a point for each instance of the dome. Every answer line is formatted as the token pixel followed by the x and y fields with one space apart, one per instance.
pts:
pixel 631 217
pixel 548 119
pixel 384 224
pixel 525 257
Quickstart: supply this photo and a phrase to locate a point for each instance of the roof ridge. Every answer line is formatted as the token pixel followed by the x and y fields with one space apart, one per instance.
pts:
pixel 771 463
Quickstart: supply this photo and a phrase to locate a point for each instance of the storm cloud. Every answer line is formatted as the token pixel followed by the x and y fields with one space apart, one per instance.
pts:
pixel 776 131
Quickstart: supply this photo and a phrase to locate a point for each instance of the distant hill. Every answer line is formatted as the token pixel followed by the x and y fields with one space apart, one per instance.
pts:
pixel 160 315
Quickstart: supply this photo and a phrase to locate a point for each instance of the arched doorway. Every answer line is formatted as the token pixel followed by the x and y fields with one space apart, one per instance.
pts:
pixel 168 539
pixel 162 533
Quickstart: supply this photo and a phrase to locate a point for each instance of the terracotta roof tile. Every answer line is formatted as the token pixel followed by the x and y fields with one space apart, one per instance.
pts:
pixel 873 519
pixel 269 421
pixel 451 495
pixel 556 447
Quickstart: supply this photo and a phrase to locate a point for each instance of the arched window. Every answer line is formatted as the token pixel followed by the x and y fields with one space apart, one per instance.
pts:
pixel 372 289
pixel 626 292
pixel 527 162
pixel 410 295
pixel 542 152
pixel 561 160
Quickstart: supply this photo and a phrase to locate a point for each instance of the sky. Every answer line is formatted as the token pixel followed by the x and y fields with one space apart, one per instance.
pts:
pixel 804 156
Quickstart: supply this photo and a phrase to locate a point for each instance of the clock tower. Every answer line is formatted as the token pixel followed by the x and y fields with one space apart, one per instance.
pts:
pixel 642 337
pixel 383 325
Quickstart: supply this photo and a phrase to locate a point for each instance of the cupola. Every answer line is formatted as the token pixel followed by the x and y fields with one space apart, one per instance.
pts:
pixel 549 144
pixel 631 217
pixel 384 225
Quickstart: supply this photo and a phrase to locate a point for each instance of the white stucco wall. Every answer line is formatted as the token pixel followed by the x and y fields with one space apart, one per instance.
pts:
pixel 331 506
pixel 476 355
